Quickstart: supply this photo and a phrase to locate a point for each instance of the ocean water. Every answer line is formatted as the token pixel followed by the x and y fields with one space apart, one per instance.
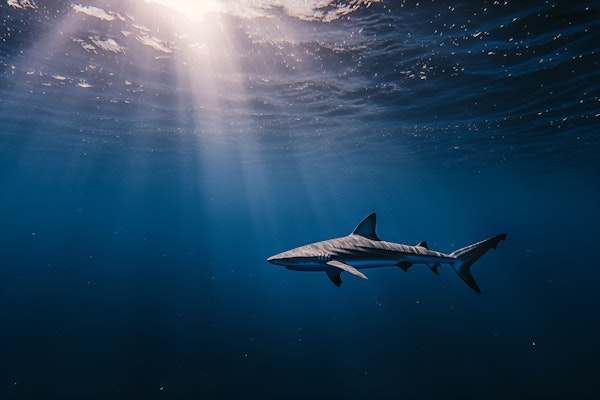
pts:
pixel 151 159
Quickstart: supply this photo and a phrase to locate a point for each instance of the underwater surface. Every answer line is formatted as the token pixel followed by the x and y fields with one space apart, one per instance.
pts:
pixel 153 155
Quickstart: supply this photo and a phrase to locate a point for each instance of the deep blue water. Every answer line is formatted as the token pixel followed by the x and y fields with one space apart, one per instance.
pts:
pixel 150 163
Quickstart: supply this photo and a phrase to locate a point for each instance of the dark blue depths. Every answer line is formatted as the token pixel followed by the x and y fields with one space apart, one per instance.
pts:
pixel 136 218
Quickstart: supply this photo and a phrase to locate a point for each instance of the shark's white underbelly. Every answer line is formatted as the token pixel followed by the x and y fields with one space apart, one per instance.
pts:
pixel 358 264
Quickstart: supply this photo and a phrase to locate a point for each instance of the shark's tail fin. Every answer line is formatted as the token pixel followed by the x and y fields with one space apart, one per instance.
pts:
pixel 466 256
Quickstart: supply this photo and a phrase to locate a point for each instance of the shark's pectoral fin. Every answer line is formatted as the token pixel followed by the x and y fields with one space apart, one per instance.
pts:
pixel 345 267
pixel 334 275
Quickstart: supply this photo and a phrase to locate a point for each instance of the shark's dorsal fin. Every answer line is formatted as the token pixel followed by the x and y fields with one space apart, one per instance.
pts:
pixel 366 228
pixel 423 244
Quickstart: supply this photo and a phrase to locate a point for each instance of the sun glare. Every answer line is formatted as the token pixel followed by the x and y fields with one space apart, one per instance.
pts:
pixel 192 9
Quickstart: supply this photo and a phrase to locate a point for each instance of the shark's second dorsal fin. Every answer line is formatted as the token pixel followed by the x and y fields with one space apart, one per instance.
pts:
pixel 366 228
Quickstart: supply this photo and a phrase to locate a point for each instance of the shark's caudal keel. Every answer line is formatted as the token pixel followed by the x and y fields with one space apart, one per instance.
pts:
pixel 363 249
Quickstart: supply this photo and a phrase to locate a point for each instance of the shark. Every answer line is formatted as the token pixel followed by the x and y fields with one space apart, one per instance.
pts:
pixel 362 249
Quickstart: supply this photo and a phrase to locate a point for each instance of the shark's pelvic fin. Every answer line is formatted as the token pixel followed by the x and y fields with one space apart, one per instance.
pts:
pixel 366 228
pixel 404 265
pixel 345 267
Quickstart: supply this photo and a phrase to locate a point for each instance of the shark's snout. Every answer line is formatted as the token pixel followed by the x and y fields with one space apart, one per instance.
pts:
pixel 274 260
